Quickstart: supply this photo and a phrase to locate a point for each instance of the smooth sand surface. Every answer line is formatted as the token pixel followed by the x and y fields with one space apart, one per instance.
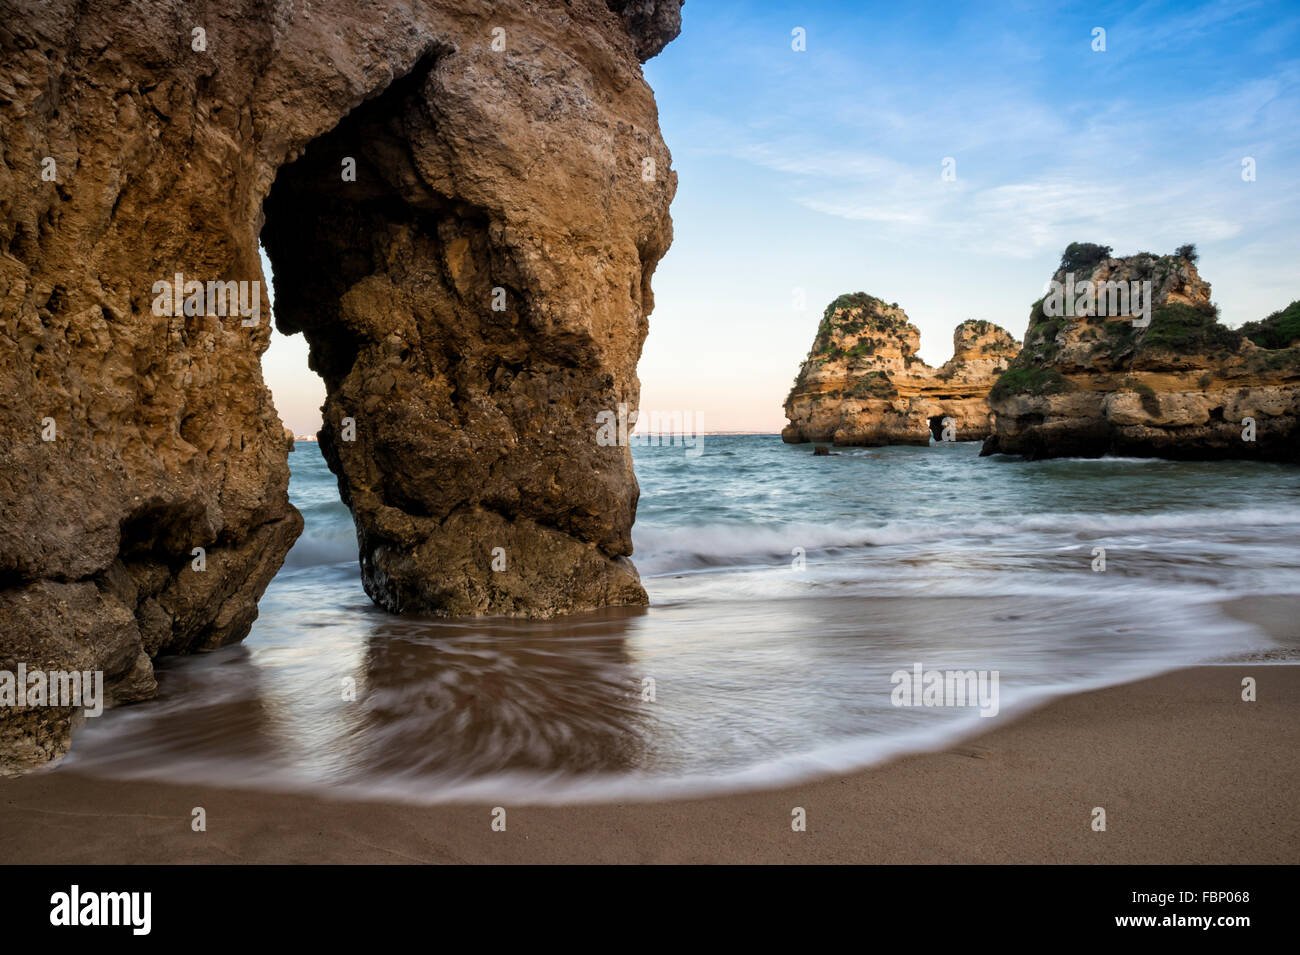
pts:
pixel 1186 771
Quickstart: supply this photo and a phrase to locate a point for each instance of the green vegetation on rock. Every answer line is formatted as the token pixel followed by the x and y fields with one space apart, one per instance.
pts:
pixel 853 300
pixel 875 384
pixel 1181 328
pixel 853 314
pixel 1082 257
pixel 978 325
pixel 1031 379
pixel 1273 360
pixel 1040 339
pixel 1120 338
pixel 866 346
pixel 1279 330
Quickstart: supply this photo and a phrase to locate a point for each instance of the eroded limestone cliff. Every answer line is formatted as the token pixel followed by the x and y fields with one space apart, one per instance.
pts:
pixel 464 204
pixel 863 383
pixel 1164 380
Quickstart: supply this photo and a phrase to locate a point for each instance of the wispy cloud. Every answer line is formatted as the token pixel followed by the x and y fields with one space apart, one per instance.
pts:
pixel 1157 26
pixel 1036 169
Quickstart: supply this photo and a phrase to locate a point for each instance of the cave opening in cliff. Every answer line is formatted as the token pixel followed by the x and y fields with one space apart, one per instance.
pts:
pixel 351 226
pixel 936 426
pixel 327 213
pixel 459 400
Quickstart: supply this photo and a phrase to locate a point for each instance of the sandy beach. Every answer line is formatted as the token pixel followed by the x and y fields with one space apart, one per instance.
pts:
pixel 1186 771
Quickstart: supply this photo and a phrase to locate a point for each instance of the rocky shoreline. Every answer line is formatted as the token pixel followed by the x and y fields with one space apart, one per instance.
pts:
pixel 1128 358
pixel 1172 382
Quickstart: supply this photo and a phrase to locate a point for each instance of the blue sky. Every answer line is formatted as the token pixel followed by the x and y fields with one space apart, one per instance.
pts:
pixel 803 175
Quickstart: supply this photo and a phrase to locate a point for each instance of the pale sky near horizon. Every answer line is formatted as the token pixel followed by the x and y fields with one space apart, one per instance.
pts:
pixel 806 174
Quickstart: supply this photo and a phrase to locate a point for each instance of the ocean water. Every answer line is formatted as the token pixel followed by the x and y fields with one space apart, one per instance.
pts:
pixel 785 589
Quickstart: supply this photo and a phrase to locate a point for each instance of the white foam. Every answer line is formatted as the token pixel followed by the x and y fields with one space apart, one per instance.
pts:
pixel 662 550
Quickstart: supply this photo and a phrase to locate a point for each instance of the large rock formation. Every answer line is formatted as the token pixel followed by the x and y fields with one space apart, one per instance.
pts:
pixel 1102 381
pixel 464 204
pixel 863 384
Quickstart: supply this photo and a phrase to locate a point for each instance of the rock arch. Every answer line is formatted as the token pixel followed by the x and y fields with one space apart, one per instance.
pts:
pixel 519 168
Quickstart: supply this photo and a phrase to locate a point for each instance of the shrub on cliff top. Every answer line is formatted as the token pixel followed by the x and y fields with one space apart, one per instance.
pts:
pixel 1187 252
pixel 853 314
pixel 1082 257
pixel 853 300
pixel 828 324
pixel 1278 330
pixel 1183 328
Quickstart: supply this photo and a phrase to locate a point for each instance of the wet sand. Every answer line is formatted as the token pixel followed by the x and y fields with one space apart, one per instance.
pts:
pixel 1186 771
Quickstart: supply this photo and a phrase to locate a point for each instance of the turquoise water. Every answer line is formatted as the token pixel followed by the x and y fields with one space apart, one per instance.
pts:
pixel 785 590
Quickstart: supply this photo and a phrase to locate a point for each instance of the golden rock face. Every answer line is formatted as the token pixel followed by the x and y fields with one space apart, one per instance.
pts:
pixel 1180 386
pixel 527 160
pixel 863 384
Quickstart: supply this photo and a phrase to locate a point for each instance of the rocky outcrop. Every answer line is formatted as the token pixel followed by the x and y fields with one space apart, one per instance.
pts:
pixel 1162 380
pixel 863 383
pixel 652 24
pixel 463 202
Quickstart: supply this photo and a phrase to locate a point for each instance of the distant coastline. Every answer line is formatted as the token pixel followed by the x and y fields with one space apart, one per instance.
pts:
pixel 709 434
pixel 669 434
